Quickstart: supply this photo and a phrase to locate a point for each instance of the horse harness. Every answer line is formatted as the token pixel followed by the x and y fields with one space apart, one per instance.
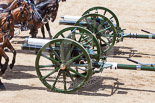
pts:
pixel 8 21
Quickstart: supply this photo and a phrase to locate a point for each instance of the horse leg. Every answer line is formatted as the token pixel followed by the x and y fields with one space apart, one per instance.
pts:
pixel 33 32
pixel 2 87
pixel 13 51
pixel 5 65
pixel 43 31
pixel 48 29
pixel 0 61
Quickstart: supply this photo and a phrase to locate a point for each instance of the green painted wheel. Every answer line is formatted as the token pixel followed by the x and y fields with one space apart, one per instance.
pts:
pixel 105 12
pixel 85 38
pixel 56 65
pixel 102 27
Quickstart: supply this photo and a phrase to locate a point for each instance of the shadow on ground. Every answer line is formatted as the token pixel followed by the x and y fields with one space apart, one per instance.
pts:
pixel 19 72
pixel 16 87
pixel 118 51
pixel 99 88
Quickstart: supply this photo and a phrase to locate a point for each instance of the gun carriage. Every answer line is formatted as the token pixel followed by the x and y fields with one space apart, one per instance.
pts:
pixel 65 63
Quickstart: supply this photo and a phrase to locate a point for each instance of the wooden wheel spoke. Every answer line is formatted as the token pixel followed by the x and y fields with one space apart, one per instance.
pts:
pixel 73 59
pixel 94 24
pixel 88 23
pixel 64 80
pixel 57 78
pixel 100 25
pixel 62 35
pixel 82 33
pixel 88 41
pixel 105 42
pixel 44 66
pixel 55 70
pixel 74 82
pixel 111 17
pixel 62 52
pixel 85 38
pixel 50 58
pixel 69 53
pixel 72 70
pixel 104 30
pixel 56 54
pixel 105 12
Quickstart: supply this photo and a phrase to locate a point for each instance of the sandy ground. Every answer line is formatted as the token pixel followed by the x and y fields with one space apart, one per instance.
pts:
pixel 112 86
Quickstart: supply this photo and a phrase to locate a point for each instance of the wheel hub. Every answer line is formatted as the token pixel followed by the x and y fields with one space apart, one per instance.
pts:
pixel 62 67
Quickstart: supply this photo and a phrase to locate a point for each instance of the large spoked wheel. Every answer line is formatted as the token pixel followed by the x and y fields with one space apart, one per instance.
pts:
pixel 85 38
pixel 102 27
pixel 105 12
pixel 56 65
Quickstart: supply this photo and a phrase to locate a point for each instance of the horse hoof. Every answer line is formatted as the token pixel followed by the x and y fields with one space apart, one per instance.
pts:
pixel 11 66
pixel 6 49
pixel 2 87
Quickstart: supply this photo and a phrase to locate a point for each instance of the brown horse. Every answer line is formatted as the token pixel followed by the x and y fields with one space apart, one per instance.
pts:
pixel 4 42
pixel 17 3
pixel 22 15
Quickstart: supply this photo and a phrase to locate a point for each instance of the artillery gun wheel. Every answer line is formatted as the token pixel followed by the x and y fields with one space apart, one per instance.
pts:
pixel 85 38
pixel 58 74
pixel 105 12
pixel 102 27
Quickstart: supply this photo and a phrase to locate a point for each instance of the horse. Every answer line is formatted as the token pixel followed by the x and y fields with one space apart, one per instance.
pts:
pixel 5 42
pixel 22 15
pixel 17 3
pixel 7 22
pixel 48 8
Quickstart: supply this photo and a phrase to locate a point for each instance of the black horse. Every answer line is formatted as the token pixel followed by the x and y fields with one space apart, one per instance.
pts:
pixel 45 9
pixel 49 9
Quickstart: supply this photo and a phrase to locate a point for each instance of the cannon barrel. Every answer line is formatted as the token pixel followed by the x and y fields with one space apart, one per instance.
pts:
pixel 135 67
pixel 135 35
